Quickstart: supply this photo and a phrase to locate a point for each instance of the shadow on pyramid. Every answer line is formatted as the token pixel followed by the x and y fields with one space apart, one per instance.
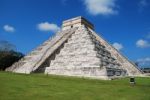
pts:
pixel 77 50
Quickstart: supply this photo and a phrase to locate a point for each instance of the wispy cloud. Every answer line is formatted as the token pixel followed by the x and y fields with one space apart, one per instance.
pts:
pixel 6 46
pixel 8 28
pixel 148 36
pixel 64 2
pixel 142 4
pixel 142 43
pixel 144 61
pixel 118 46
pixel 101 7
pixel 46 26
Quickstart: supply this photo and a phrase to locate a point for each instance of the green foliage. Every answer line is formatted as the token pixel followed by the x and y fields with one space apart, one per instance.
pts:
pixel 8 54
pixel 7 58
pixel 43 87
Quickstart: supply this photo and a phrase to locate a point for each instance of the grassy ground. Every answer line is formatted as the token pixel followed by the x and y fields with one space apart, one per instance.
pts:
pixel 42 87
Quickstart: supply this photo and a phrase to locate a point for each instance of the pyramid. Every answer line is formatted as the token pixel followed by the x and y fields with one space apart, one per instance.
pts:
pixel 77 50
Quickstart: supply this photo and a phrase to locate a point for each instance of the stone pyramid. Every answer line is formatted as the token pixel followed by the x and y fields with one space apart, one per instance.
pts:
pixel 77 51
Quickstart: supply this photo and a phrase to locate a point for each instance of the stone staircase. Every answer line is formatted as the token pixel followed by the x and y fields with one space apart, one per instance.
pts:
pixel 33 60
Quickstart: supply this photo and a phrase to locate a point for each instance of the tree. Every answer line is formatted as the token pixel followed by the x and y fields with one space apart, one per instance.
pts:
pixel 8 55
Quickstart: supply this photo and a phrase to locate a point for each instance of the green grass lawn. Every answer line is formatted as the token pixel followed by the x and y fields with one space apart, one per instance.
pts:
pixel 42 87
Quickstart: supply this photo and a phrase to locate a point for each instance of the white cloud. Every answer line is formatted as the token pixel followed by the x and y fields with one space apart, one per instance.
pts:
pixel 45 26
pixel 144 61
pixel 142 43
pixel 101 7
pixel 118 46
pixel 9 28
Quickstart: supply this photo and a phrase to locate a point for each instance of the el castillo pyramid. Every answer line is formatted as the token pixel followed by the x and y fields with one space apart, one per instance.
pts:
pixel 77 50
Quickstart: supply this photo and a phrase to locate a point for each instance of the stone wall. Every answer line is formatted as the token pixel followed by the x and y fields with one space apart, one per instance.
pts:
pixel 132 69
pixel 34 59
pixel 83 55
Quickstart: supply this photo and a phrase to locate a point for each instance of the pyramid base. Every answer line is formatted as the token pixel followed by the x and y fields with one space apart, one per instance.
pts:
pixel 93 73
pixel 84 76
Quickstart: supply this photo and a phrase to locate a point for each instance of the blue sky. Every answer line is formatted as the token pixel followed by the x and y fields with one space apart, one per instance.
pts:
pixel 123 23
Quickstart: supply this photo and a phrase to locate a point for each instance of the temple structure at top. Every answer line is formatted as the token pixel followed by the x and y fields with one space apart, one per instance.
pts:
pixel 76 22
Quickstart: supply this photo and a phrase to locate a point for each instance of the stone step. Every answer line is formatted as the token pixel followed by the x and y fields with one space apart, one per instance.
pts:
pixel 74 36
pixel 76 59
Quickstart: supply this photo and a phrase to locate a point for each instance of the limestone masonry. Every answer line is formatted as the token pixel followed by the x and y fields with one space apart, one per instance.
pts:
pixel 77 51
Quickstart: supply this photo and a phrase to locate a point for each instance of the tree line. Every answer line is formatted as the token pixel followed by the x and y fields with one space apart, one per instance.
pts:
pixel 8 54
